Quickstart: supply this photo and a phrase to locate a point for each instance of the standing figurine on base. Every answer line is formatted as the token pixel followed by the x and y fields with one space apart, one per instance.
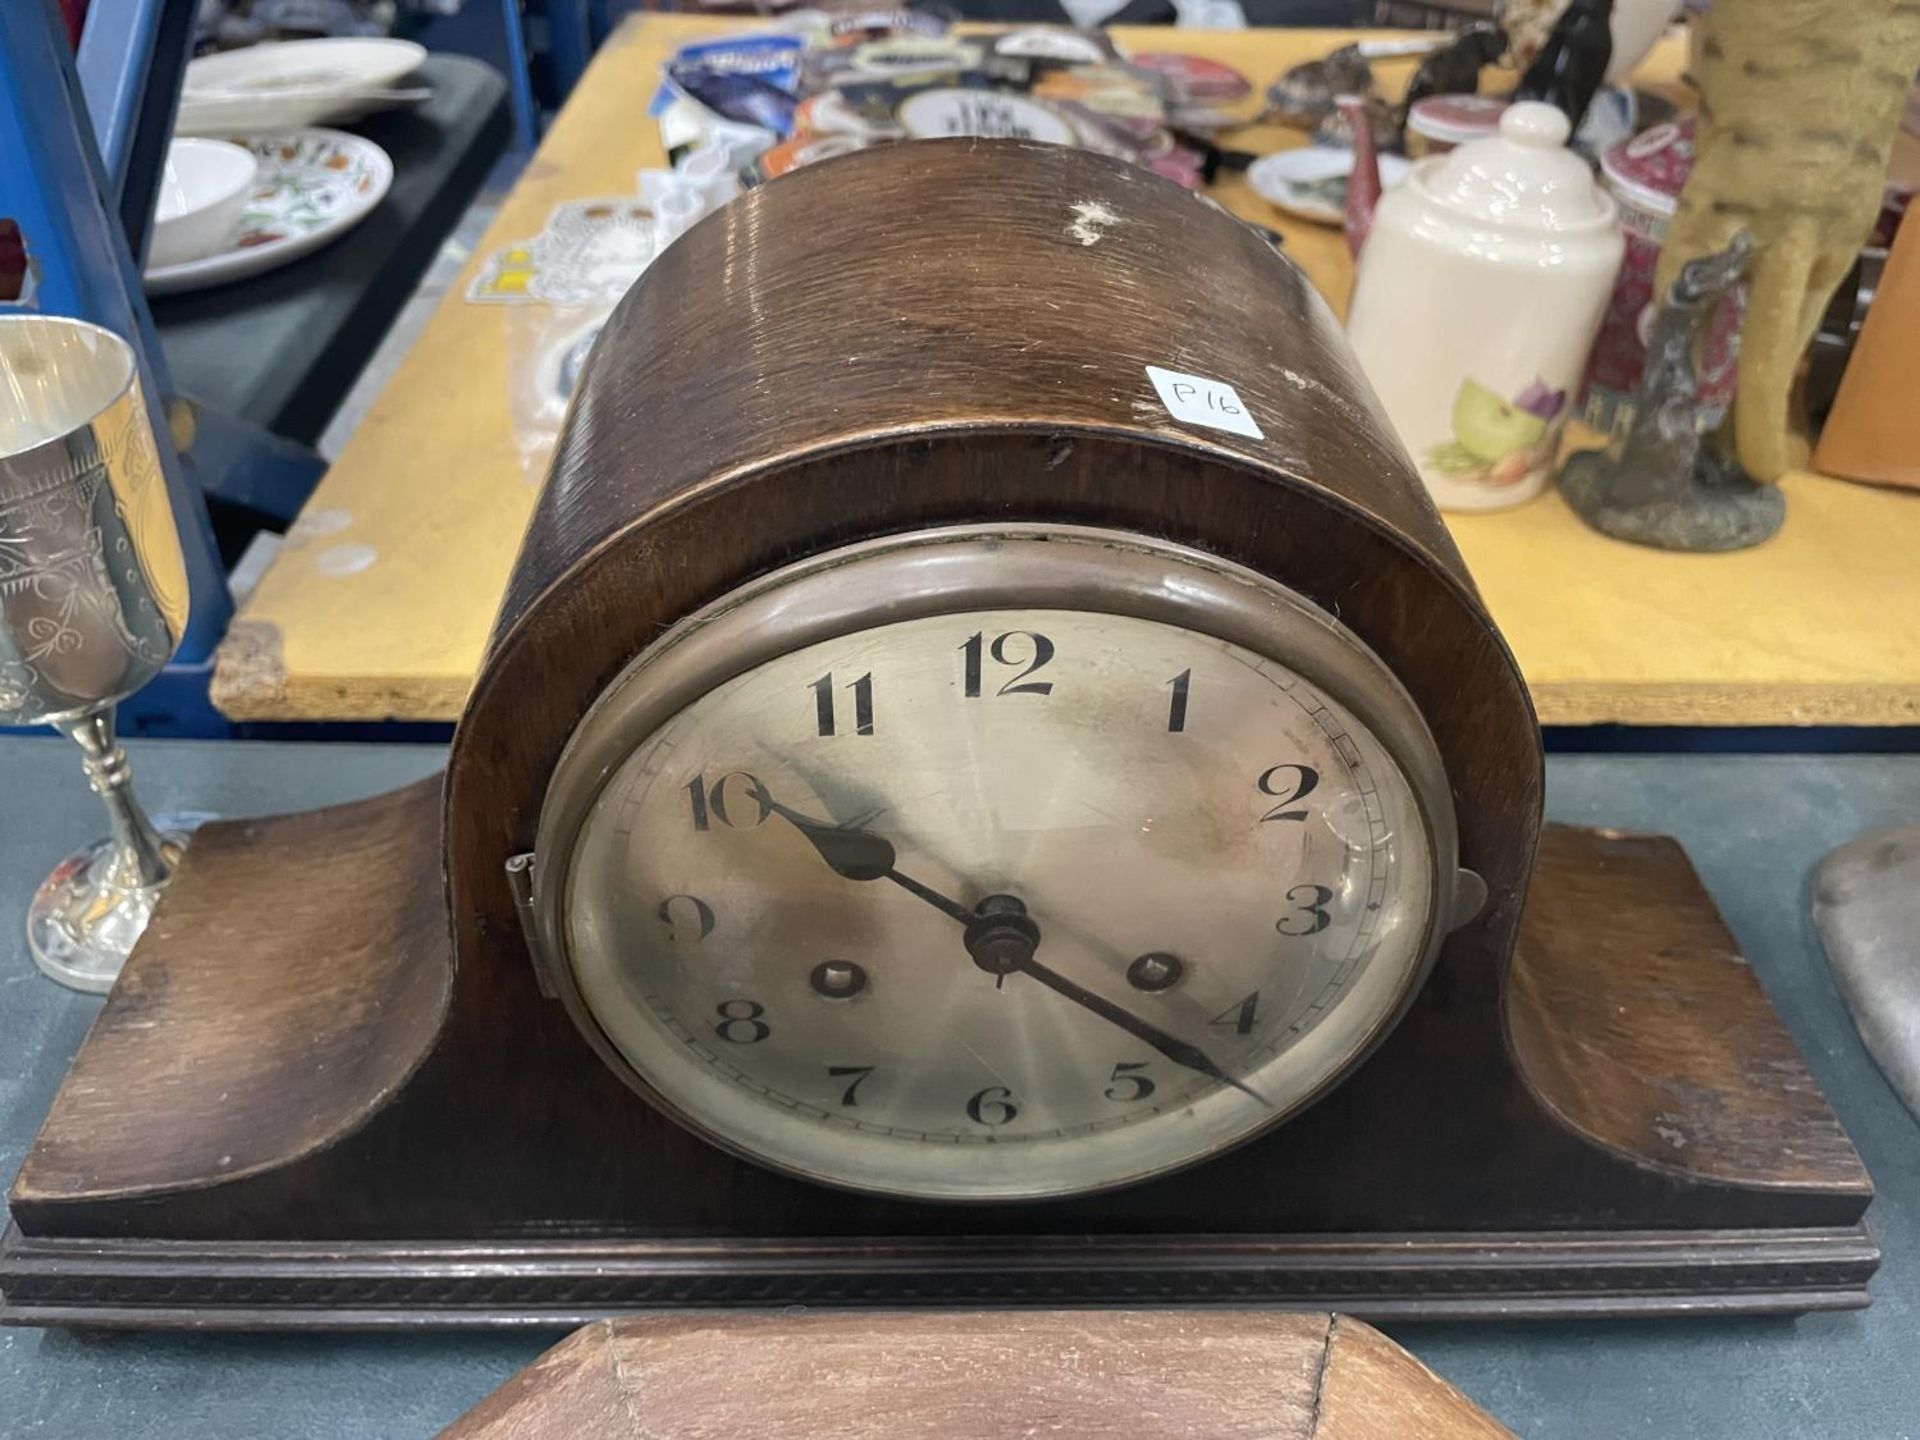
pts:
pixel 1659 483
pixel 1799 104
pixel 1455 69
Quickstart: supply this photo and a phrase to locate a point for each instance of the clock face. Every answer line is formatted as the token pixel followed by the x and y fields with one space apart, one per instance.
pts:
pixel 1004 902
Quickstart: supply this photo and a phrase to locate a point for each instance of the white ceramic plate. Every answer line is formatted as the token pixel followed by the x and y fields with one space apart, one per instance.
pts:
pixel 243 115
pixel 292 84
pixel 1311 182
pixel 313 187
pixel 936 114
pixel 301 67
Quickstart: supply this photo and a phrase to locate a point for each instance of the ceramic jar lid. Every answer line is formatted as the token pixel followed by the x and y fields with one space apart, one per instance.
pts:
pixel 1456 119
pixel 1650 169
pixel 1524 177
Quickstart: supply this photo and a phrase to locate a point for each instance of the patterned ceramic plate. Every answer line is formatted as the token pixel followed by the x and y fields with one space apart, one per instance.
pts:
pixel 1310 182
pixel 314 186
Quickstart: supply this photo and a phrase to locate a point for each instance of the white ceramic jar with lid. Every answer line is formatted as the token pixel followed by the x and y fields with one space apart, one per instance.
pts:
pixel 1483 281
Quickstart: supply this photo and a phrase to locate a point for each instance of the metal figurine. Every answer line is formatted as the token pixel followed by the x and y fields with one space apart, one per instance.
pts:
pixel 1658 483
pixel 1304 96
pixel 1456 69
pixel 1571 67
pixel 93 600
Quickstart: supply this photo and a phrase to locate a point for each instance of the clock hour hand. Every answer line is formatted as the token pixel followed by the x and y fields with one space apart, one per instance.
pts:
pixel 1000 935
pixel 855 854
pixel 861 855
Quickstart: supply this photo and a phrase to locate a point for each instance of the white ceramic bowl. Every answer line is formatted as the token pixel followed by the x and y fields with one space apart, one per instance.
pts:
pixel 202 195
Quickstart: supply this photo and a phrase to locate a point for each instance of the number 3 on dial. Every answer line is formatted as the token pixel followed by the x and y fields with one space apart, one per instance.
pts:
pixel 1311 916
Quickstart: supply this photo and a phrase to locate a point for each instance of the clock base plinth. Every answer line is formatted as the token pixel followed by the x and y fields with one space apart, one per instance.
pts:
pixel 284 1118
pixel 234 1285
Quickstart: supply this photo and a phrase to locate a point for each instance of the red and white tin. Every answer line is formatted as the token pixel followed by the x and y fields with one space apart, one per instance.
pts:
pixel 1646 173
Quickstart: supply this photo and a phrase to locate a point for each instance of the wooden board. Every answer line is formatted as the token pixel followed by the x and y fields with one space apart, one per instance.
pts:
pixel 982 1375
pixel 381 602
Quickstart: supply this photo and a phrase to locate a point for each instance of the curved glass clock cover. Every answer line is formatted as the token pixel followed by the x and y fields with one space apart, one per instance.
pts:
pixel 1207 888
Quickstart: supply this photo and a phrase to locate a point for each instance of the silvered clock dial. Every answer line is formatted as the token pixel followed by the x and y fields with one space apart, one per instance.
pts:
pixel 994 864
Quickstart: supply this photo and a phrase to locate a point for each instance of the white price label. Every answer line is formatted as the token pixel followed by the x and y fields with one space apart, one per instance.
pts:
pixel 1197 400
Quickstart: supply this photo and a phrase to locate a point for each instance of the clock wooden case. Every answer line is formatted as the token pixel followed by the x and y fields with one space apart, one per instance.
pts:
pixel 331 1088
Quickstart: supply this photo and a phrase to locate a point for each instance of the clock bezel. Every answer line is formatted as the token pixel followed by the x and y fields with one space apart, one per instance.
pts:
pixel 955 569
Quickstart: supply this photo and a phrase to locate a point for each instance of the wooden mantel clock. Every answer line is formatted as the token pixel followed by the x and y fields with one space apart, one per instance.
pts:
pixel 990 783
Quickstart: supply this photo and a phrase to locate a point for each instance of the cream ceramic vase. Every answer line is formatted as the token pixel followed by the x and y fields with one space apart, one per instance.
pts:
pixel 1483 282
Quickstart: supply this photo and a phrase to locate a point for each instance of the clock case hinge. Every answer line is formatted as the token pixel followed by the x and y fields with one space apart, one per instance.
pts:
pixel 520 885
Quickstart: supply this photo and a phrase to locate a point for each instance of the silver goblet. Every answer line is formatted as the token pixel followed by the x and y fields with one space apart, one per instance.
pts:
pixel 93 600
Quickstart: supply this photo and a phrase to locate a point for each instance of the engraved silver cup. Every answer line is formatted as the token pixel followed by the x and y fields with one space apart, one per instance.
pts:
pixel 93 600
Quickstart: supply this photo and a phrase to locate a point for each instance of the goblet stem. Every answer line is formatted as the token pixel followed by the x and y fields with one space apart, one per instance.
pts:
pixel 85 919
pixel 146 859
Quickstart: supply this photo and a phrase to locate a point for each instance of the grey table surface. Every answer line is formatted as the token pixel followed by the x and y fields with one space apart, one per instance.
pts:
pixel 1755 827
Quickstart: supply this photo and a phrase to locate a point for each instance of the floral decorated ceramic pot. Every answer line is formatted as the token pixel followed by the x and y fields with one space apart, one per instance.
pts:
pixel 1476 300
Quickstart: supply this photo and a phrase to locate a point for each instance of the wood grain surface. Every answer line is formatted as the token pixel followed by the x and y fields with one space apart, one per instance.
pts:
pixel 1633 1067
pixel 1808 629
pixel 1006 414
pixel 978 1375
pixel 295 978
pixel 1633 1019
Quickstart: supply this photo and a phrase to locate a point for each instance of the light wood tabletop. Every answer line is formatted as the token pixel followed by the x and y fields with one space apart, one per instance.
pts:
pixel 379 604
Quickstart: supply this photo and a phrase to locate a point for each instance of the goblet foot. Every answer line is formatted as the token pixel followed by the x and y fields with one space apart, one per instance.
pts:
pixel 88 913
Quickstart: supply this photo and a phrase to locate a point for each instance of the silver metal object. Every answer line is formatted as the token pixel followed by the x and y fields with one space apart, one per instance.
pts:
pixel 520 882
pixel 1866 908
pixel 93 600
pixel 1156 971
pixel 839 978
pixel 1469 897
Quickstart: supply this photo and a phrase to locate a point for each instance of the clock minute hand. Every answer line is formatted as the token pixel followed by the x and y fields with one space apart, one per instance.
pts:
pixel 1175 1049
pixel 999 934
pixel 1002 938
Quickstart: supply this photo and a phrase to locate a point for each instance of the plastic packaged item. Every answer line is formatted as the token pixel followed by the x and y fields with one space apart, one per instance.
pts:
pixel 547 348
pixel 748 79
pixel 674 213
